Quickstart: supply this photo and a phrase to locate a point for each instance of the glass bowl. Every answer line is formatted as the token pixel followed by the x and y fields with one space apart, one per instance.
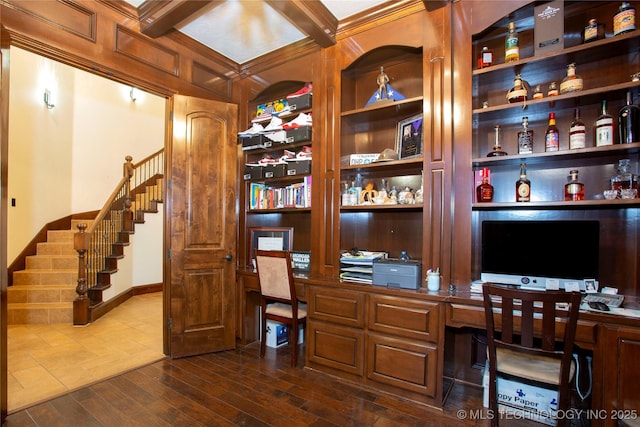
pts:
pixel 610 194
pixel 628 193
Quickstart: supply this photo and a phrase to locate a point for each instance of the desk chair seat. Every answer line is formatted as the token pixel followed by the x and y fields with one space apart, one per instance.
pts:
pixel 278 300
pixel 526 341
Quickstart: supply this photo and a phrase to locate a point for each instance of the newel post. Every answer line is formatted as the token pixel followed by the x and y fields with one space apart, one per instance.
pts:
pixel 81 243
pixel 127 215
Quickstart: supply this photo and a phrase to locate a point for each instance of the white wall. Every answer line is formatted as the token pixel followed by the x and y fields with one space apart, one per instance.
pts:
pixel 68 159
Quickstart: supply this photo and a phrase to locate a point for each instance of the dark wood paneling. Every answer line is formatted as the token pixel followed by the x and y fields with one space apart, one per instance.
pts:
pixel 209 79
pixel 133 45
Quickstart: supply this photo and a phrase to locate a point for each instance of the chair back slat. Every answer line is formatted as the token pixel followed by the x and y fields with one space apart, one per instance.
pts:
pixel 527 323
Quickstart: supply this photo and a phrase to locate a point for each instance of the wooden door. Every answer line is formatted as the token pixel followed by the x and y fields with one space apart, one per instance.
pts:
pixel 200 227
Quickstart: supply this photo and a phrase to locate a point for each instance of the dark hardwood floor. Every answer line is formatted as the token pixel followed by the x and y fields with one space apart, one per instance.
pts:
pixel 238 388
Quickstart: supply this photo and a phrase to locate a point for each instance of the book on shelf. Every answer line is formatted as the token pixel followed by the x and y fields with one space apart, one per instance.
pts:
pixel 296 195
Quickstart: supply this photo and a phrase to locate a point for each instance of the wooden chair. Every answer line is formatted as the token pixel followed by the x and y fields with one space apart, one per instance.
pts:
pixel 278 301
pixel 526 342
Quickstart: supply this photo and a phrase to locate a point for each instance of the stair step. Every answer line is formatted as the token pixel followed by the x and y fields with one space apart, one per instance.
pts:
pixel 57 236
pixel 44 277
pixel 41 294
pixel 54 262
pixel 55 248
pixel 44 314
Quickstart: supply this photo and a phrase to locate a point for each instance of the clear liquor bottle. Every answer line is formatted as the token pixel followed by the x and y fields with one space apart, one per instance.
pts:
pixel 629 122
pixel 523 185
pixel 511 44
pixel 604 127
pixel 573 189
pixel 484 191
pixel 525 138
pixel 496 150
pixel 552 136
pixel 572 82
pixel 577 132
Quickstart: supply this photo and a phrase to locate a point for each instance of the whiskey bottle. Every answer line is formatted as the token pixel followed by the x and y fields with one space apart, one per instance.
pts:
pixel 537 93
pixel 484 191
pixel 593 31
pixel 577 132
pixel 523 185
pixel 572 82
pixel 604 127
pixel 511 44
pixel 518 92
pixel 525 138
pixel 552 136
pixel 573 189
pixel 629 122
pixel 625 20
pixel 486 58
pixel 553 91
pixel 496 150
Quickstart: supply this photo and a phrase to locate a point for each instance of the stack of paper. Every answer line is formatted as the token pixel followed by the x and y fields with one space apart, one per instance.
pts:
pixel 359 268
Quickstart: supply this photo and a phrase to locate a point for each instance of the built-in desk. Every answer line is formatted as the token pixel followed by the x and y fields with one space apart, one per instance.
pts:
pixel 397 340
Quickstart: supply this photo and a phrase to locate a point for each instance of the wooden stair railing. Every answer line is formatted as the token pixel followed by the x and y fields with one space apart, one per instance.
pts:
pixel 101 244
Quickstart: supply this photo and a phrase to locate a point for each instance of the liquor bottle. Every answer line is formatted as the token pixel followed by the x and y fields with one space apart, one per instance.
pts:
pixel 577 132
pixel 496 150
pixel 484 191
pixel 593 31
pixel 623 178
pixel 604 127
pixel 572 82
pixel 518 92
pixel 525 138
pixel 553 91
pixel 629 122
pixel 625 20
pixel 523 185
pixel 486 58
pixel 511 44
pixel 537 93
pixel 573 189
pixel 552 136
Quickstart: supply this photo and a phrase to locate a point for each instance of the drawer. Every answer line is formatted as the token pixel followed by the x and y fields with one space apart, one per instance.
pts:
pixel 409 318
pixel 337 306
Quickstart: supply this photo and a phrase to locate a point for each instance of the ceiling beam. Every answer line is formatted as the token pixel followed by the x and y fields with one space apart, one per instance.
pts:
pixel 432 5
pixel 310 17
pixel 157 18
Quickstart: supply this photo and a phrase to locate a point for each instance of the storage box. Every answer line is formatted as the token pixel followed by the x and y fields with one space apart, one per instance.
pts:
pixel 277 334
pixel 274 170
pixel 298 167
pixel 359 159
pixel 301 134
pixel 522 400
pixel 548 33
pixel 301 102
pixel 396 273
pixel 253 172
pixel 254 142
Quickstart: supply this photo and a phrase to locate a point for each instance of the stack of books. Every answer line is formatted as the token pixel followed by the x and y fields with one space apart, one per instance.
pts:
pixel 359 268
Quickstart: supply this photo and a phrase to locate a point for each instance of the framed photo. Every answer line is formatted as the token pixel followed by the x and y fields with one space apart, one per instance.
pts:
pixel 410 137
pixel 269 239
pixel 301 261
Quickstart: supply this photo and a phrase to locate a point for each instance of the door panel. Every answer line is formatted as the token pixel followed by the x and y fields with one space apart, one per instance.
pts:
pixel 202 226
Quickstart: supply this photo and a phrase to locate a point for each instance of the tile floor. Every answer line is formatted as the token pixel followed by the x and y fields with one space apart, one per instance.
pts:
pixel 45 361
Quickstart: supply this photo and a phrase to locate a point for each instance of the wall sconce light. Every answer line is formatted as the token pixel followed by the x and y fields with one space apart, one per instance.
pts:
pixel 48 99
pixel 133 94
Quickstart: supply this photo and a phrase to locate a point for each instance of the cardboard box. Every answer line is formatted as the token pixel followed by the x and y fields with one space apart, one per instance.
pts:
pixel 254 142
pixel 396 273
pixel 253 172
pixel 299 167
pixel 274 170
pixel 522 400
pixel 277 334
pixel 301 134
pixel 548 32
pixel 301 102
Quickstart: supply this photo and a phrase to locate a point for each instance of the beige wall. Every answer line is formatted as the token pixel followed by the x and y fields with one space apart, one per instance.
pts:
pixel 68 159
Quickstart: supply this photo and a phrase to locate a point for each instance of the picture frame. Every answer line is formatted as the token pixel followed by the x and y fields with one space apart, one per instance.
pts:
pixel 301 260
pixel 269 238
pixel 409 142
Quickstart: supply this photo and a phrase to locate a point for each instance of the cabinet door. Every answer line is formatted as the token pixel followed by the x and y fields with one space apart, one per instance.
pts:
pixel 405 317
pixel 336 306
pixel 406 364
pixel 621 372
pixel 336 347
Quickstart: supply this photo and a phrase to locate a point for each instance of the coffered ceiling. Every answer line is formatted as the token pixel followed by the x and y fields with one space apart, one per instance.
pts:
pixel 243 30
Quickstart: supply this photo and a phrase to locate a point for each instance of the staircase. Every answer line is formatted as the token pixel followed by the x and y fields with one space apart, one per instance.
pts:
pixel 43 293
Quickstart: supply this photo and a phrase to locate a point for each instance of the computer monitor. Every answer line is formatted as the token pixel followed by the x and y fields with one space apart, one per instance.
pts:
pixel 531 253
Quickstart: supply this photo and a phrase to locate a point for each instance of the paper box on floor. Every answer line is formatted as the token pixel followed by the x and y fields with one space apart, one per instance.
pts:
pixel 277 334
pixel 523 400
